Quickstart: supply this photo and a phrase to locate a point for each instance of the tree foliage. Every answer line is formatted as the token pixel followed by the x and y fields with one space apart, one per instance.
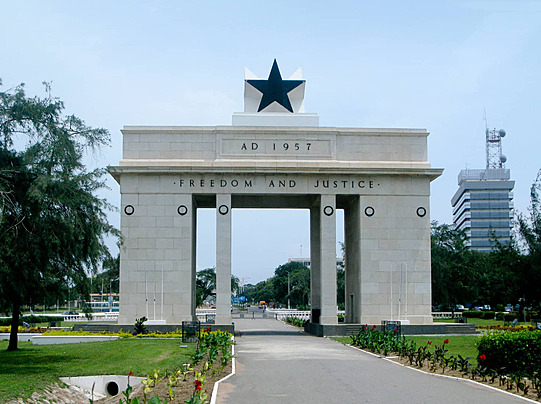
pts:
pixel 52 224
pixel 510 273
pixel 529 228
pixel 108 279
pixel 205 284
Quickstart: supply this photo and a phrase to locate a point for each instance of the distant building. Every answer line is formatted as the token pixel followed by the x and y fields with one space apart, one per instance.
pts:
pixel 483 206
pixel 306 261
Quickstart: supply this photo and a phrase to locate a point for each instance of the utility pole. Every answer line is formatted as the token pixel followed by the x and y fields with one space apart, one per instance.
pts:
pixel 288 292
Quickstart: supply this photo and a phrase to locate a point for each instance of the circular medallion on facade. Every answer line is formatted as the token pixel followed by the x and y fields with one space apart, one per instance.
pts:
pixel 369 211
pixel 223 209
pixel 129 210
pixel 421 212
pixel 182 210
pixel 328 210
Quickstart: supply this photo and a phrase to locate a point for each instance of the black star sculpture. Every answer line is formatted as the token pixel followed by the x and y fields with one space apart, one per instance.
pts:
pixel 275 89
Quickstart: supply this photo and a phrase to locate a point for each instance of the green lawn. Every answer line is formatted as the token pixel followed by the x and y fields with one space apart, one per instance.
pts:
pixel 33 367
pixel 464 345
pixel 477 321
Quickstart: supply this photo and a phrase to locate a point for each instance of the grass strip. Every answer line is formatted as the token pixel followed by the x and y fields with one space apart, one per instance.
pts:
pixel 34 367
pixel 463 345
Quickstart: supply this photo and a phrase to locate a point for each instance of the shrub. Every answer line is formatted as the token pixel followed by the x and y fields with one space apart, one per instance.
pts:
pixel 500 316
pixel 516 353
pixel 297 322
pixel 32 319
pixel 488 315
pixel 139 327
pixel 381 342
pixel 509 316
pixel 472 314
pixel 530 315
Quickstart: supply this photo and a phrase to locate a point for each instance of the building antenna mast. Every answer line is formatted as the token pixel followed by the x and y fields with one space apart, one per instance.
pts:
pixel 495 158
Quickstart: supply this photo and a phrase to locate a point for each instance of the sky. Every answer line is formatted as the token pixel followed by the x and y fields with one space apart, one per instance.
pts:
pixel 435 65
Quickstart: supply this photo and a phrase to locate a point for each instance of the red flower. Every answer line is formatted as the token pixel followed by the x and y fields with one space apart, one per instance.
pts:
pixel 395 330
pixel 373 327
pixel 429 342
pixel 198 387
pixel 130 374
pixel 446 341
pixel 482 357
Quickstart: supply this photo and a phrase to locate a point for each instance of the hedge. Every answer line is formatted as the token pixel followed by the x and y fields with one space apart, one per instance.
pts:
pixel 488 315
pixel 517 352
pixel 472 314
pixel 32 319
pixel 530 316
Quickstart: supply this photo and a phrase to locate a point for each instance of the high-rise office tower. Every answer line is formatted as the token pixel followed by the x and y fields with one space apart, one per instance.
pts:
pixel 482 205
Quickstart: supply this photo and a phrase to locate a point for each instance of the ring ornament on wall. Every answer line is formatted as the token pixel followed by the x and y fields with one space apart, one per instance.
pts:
pixel 369 211
pixel 129 209
pixel 328 210
pixel 223 209
pixel 421 212
pixel 182 210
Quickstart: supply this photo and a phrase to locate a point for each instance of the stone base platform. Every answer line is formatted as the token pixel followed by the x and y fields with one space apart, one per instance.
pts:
pixel 343 330
pixel 163 328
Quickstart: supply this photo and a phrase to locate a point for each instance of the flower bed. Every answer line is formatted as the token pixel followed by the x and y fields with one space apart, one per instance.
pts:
pixel 191 383
pixel 517 353
pixel 297 322
pixel 522 377
pixel 506 328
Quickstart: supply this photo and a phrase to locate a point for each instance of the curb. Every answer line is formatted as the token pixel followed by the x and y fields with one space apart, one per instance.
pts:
pixel 388 359
pixel 233 371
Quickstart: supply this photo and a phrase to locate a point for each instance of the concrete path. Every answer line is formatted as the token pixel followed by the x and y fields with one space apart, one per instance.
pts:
pixel 278 364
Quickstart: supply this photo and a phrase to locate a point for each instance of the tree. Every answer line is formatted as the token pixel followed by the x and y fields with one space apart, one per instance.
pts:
pixel 52 225
pixel 107 280
pixel 341 280
pixel 205 284
pixel 453 266
pixel 280 280
pixel 530 231
pixel 299 286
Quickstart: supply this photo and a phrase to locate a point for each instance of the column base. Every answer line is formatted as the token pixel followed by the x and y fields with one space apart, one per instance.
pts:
pixel 223 319
pixel 328 320
pixel 412 319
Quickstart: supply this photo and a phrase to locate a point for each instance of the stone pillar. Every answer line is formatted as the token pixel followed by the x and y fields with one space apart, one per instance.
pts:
pixel 327 250
pixel 157 255
pixel 194 260
pixel 352 227
pixel 223 259
pixel 395 273
pixel 315 267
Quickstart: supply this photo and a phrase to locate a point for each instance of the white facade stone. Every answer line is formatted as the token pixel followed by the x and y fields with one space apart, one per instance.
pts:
pixel 380 177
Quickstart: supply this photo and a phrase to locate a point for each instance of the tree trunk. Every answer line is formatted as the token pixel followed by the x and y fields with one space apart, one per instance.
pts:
pixel 14 327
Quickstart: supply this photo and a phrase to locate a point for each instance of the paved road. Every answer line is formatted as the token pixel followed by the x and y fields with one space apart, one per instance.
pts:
pixel 278 364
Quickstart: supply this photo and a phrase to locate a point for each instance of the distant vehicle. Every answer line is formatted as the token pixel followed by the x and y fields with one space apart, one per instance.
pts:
pixel 104 306
pixel 486 307
pixel 70 313
pixel 509 307
pixel 460 307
